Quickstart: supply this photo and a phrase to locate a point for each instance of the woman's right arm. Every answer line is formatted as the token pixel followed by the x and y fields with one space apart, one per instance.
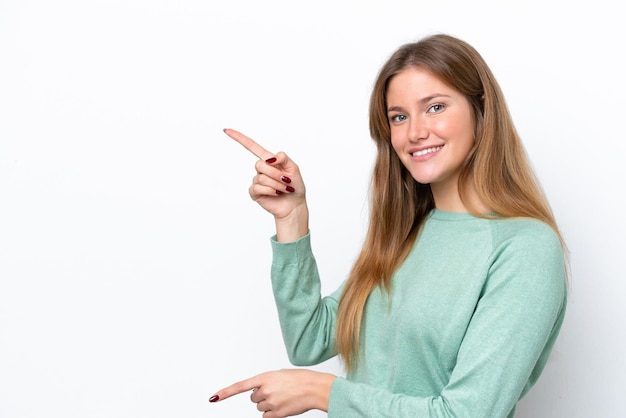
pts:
pixel 278 188
pixel 307 320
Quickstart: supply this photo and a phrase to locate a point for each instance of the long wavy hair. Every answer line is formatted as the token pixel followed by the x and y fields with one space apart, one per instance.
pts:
pixel 497 166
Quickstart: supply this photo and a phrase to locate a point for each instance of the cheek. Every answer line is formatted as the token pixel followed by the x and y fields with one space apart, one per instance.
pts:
pixel 397 146
pixel 396 142
pixel 459 130
pixel 448 127
pixel 466 132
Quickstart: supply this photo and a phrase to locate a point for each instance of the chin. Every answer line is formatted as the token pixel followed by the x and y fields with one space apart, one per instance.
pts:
pixel 423 179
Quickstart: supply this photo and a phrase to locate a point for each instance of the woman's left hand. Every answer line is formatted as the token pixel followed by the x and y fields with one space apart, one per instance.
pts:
pixel 284 393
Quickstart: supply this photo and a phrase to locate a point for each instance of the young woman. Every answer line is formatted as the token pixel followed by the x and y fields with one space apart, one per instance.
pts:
pixel 459 292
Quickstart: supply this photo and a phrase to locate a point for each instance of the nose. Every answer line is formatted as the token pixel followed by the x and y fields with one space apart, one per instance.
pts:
pixel 417 130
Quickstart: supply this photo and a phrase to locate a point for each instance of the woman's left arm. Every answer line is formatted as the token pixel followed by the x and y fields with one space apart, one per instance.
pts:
pixel 505 349
pixel 284 393
pixel 506 345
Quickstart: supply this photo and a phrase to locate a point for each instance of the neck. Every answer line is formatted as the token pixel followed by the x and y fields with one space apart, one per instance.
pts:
pixel 448 198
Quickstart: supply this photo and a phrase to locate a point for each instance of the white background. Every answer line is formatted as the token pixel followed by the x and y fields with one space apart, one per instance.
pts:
pixel 134 268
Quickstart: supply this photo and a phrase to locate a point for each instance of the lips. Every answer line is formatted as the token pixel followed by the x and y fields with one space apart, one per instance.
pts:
pixel 425 151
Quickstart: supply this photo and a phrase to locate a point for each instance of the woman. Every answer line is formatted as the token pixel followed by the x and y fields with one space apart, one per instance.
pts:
pixel 459 292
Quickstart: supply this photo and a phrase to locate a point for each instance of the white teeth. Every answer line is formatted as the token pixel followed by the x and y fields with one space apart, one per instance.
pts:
pixel 426 151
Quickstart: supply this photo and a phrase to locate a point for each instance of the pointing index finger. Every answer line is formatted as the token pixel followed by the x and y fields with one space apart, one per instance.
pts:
pixel 236 388
pixel 249 144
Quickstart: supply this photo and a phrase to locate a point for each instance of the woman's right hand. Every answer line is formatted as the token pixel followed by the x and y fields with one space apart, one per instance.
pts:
pixel 278 187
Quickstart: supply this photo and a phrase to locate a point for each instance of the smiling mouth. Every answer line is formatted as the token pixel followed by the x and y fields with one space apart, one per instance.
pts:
pixel 426 151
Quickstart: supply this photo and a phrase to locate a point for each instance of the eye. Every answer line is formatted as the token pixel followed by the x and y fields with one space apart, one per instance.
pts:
pixel 436 108
pixel 397 118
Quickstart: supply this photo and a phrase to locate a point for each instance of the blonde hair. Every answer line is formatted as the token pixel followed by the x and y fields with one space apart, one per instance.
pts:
pixel 497 166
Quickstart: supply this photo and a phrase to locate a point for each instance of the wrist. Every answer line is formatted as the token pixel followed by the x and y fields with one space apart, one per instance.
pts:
pixel 321 390
pixel 293 226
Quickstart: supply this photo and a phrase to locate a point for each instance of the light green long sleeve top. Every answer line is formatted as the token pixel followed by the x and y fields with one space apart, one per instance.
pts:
pixel 475 310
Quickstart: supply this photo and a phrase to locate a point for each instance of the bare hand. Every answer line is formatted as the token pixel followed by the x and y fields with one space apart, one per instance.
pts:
pixel 284 393
pixel 278 186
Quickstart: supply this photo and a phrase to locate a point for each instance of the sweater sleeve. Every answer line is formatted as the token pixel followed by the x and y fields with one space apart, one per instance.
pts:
pixel 508 340
pixel 307 320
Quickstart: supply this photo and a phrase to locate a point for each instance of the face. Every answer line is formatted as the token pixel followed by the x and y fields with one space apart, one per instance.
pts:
pixel 432 128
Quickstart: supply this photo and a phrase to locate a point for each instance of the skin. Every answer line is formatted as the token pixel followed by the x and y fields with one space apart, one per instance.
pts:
pixel 269 189
pixel 286 392
pixel 427 114
pixel 424 113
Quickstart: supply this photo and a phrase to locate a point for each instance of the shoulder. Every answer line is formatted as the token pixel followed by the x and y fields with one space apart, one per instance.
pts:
pixel 525 233
pixel 528 252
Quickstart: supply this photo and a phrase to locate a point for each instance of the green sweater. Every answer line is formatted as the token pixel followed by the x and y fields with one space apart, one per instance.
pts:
pixel 475 310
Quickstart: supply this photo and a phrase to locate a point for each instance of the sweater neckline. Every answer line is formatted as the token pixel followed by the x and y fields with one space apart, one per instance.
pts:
pixel 443 215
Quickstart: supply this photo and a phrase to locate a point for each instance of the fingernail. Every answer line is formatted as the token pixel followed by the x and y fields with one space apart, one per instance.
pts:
pixel 279 192
pixel 285 179
pixel 290 189
pixel 271 160
pixel 214 398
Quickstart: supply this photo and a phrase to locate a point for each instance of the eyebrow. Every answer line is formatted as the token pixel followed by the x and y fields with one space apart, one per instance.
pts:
pixel 424 100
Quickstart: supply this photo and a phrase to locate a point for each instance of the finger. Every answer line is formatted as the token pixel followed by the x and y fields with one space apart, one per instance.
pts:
pixel 235 389
pixel 257 192
pixel 262 406
pixel 249 144
pixel 262 167
pixel 256 397
pixel 271 174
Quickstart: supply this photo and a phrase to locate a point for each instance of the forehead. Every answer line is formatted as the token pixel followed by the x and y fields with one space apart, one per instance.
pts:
pixel 414 81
